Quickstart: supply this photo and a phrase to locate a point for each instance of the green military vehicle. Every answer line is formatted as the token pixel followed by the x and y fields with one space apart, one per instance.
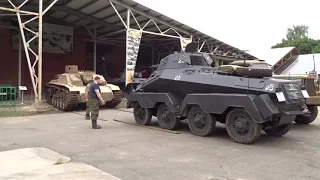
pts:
pixel 307 82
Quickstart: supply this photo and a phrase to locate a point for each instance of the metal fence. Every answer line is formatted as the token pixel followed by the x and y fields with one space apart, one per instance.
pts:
pixel 8 94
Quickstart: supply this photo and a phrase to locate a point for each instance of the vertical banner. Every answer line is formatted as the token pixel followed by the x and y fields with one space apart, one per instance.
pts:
pixel 184 42
pixel 133 43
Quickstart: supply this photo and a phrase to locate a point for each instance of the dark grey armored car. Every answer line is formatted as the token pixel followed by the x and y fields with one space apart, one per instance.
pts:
pixel 184 86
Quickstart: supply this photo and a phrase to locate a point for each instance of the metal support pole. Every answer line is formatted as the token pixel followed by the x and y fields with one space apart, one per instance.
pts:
pixel 95 51
pixel 27 55
pixel 127 40
pixel 40 53
pixel 153 55
pixel 19 64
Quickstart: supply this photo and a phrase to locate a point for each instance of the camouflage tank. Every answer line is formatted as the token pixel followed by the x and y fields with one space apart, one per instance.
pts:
pixel 67 91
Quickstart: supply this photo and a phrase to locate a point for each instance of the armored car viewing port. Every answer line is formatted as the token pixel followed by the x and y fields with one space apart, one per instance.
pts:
pixel 106 21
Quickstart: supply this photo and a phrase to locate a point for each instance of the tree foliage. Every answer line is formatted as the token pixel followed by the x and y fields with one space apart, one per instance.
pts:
pixel 297 32
pixel 298 37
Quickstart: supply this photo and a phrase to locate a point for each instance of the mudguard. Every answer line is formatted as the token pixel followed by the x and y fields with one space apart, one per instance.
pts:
pixel 149 100
pixel 218 103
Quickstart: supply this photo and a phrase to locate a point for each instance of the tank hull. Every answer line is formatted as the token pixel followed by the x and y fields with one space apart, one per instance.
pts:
pixel 67 91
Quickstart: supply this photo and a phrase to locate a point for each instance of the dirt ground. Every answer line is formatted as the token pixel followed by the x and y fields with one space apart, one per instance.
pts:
pixel 133 152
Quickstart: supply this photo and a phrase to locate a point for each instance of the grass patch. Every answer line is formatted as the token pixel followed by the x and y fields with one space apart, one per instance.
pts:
pixel 14 113
pixel 28 110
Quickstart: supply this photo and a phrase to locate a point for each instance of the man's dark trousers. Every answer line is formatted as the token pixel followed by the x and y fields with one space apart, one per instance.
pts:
pixel 94 105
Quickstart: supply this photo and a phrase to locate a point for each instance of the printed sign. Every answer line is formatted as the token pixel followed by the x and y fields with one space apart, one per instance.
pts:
pixel 55 38
pixel 22 88
pixel 184 42
pixel 133 43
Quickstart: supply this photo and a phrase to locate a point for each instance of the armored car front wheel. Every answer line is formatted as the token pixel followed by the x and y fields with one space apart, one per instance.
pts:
pixel 201 123
pixel 241 128
pixel 166 118
pixel 304 119
pixel 142 115
pixel 278 131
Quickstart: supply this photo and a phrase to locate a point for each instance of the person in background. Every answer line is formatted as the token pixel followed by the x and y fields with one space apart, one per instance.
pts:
pixel 95 101
pixel 87 100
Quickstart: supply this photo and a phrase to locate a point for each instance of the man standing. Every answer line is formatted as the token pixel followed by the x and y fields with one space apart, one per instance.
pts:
pixel 95 100
pixel 87 100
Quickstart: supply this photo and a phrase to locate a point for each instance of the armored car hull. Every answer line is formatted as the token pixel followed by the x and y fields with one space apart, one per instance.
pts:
pixel 185 87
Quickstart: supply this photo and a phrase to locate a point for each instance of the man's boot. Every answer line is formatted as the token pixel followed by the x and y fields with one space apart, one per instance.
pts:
pixel 87 117
pixel 94 125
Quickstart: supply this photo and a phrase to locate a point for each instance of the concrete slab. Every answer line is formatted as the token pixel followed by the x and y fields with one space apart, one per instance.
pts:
pixel 73 170
pixel 28 159
pixel 44 164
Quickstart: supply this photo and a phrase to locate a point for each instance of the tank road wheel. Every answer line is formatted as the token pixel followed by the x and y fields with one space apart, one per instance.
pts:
pixel 59 103
pixel 241 128
pixel 63 101
pixel 200 123
pixel 142 115
pixel 118 95
pixel 166 118
pixel 48 96
pixel 56 102
pixel 308 119
pixel 53 100
pixel 278 131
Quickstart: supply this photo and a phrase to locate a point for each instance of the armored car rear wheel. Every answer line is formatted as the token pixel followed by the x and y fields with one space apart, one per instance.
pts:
pixel 278 131
pixel 201 123
pixel 142 115
pixel 241 128
pixel 166 118
pixel 308 119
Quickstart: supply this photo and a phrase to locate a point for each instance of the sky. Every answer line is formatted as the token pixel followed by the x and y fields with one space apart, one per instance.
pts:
pixel 254 25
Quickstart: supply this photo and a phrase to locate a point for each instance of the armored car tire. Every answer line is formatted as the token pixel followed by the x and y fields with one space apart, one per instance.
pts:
pixel 166 118
pixel 278 131
pixel 241 128
pixel 142 115
pixel 308 119
pixel 253 72
pixel 201 123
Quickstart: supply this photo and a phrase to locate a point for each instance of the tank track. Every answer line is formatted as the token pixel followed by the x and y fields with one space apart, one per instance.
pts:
pixel 61 98
pixel 118 95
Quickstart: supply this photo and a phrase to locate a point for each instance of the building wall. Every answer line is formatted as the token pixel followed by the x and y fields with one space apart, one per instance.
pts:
pixel 55 63
pixel 52 63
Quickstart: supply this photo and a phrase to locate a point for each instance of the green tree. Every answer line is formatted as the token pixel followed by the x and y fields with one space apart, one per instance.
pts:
pixel 298 37
pixel 297 32
pixel 316 49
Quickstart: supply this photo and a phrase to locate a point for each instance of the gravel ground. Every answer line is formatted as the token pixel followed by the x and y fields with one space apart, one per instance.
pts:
pixel 133 152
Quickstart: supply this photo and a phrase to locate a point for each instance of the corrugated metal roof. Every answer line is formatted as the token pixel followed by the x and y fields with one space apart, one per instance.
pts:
pixel 100 14
pixel 303 64
pixel 272 56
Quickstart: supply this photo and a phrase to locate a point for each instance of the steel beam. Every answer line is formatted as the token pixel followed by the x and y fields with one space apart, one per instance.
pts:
pixel 151 17
pixel 41 12
pixel 127 41
pixel 36 79
pixel 84 16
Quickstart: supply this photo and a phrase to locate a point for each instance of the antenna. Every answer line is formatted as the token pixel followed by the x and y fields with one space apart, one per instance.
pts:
pixel 314 64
